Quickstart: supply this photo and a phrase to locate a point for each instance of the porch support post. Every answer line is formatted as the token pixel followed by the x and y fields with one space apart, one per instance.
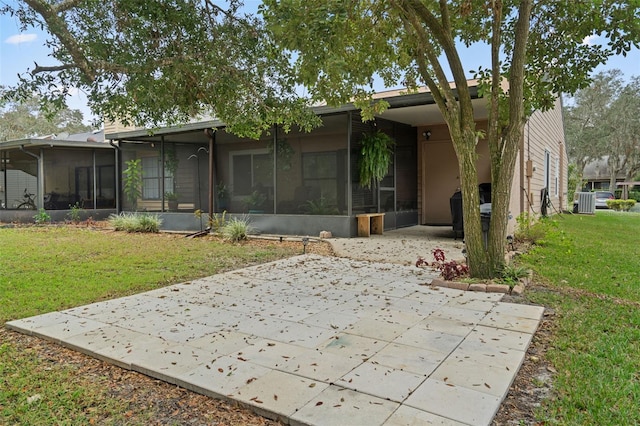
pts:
pixel 40 178
pixel 275 168
pixel 95 181
pixel 162 180
pixel 212 169
pixel 349 183
pixel 118 173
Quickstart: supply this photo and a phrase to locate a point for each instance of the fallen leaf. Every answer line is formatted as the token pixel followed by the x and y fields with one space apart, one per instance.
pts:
pixel 312 385
pixel 487 385
pixel 319 403
pixel 34 398
pixel 220 370
pixel 251 380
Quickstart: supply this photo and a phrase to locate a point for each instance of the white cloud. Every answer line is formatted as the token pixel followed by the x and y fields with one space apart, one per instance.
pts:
pixel 21 38
pixel 589 40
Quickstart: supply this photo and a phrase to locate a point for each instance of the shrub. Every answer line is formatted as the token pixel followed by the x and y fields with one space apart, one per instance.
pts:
pixel 511 274
pixel 529 228
pixel 635 195
pixel 621 205
pixel 236 229
pixel 75 212
pixel 42 217
pixel 135 222
pixel 450 270
pixel 218 221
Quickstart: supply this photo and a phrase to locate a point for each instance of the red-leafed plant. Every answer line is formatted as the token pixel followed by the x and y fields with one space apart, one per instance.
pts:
pixel 448 270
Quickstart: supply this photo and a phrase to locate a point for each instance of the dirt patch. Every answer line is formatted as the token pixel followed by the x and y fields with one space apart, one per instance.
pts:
pixel 533 383
pixel 150 401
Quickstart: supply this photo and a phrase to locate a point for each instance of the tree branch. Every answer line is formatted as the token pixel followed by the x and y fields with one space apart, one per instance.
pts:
pixel 39 69
pixel 65 5
pixel 442 94
pixel 444 35
pixel 58 27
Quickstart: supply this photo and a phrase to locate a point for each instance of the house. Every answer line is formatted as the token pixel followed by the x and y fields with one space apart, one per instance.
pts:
pixel 304 183
pixel 56 173
pixel 597 175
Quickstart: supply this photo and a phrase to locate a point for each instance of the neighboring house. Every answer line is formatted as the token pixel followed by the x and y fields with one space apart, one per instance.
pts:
pixel 58 173
pixel 597 175
pixel 304 183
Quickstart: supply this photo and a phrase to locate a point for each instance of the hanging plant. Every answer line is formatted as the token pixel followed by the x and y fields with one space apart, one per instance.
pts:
pixel 375 157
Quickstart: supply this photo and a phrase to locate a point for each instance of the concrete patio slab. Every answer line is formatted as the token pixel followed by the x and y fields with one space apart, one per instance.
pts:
pixel 409 416
pixel 337 406
pixel 316 341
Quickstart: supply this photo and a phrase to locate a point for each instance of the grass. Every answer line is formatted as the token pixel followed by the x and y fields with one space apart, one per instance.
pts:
pixel 590 267
pixel 44 269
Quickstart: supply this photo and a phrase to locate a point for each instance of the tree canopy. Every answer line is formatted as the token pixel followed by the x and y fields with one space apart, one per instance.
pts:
pixel 158 63
pixel 24 119
pixel 601 121
pixel 537 49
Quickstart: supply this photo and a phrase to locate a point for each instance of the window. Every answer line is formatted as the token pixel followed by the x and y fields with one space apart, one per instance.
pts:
pixel 250 169
pixel 151 177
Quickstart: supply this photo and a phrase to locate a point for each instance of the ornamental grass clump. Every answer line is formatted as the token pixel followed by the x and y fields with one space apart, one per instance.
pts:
pixel 236 229
pixel 135 222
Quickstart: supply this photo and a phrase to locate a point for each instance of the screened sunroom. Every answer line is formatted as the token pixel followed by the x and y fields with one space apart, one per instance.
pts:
pixel 287 183
pixel 56 175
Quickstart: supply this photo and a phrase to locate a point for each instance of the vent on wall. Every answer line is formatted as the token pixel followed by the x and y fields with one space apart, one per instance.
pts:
pixel 586 202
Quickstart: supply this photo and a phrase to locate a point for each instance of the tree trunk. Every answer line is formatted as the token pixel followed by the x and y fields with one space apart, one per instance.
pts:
pixel 502 181
pixel 465 145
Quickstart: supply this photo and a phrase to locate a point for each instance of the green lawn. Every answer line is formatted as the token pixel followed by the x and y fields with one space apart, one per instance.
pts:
pixel 591 267
pixel 44 269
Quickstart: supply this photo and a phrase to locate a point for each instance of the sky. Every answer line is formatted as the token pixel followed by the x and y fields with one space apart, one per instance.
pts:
pixel 19 50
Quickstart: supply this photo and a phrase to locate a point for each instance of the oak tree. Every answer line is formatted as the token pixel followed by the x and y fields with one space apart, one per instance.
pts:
pixel 26 119
pixel 536 47
pixel 153 63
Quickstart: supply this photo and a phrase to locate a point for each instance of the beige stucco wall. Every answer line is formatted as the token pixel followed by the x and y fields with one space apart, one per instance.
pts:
pixel 438 175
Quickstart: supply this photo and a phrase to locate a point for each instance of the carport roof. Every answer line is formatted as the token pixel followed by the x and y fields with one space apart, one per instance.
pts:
pixel 51 143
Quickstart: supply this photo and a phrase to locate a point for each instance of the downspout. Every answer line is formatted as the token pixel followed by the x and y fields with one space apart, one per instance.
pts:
pixel 117 150
pixel 522 175
pixel 40 178
pixel 212 139
pixel 561 177
pixel 529 169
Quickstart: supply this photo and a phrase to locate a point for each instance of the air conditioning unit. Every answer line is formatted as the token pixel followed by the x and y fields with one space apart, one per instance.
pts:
pixel 586 202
